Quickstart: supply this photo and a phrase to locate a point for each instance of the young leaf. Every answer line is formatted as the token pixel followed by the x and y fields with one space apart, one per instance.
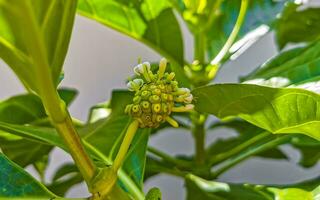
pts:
pixel 16 183
pixel 277 110
pixel 297 24
pixel 295 66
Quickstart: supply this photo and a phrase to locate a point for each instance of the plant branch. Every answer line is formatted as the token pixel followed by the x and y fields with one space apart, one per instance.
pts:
pixel 213 14
pixel 125 179
pixel 252 151
pixel 223 156
pixel 200 47
pixel 231 39
pixel 168 158
pixel 174 171
pixel 198 131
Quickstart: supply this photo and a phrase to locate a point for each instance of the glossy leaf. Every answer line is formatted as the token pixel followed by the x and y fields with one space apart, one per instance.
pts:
pixel 297 24
pixel 295 66
pixel 277 110
pixel 16 183
pixel 53 21
pixel 151 22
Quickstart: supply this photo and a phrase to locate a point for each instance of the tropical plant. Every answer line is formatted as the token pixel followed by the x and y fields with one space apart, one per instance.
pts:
pixel 278 103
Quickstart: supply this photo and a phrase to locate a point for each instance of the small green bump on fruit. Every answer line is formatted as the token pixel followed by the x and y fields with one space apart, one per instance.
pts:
pixel 154 99
pixel 156 91
pixel 156 108
pixel 136 99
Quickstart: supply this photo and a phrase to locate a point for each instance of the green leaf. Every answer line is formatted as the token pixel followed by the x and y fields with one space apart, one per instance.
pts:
pixel 53 22
pixel 277 110
pixel 259 12
pixel 295 66
pixel 101 140
pixel 309 149
pixel 16 183
pixel 64 178
pixel 297 24
pixel 248 135
pixel 198 188
pixel 150 22
pixel 291 194
pixel 26 109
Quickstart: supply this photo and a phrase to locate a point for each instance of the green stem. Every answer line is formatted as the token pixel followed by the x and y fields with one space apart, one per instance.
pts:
pixel 125 179
pixel 200 47
pixel 223 156
pixel 131 131
pixel 168 158
pixel 54 106
pixel 252 151
pixel 213 15
pixel 75 146
pixel 174 171
pixel 198 131
pixel 231 39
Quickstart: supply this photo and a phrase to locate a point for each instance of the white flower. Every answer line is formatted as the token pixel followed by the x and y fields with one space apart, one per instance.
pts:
pixel 135 84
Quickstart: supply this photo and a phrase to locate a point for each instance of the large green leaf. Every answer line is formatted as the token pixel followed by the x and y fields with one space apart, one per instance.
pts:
pixel 198 188
pixel 295 66
pixel 148 21
pixel 51 20
pixel 16 183
pixel 297 24
pixel 277 110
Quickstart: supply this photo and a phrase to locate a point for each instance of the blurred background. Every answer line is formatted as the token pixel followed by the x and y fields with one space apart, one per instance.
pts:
pixel 101 59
